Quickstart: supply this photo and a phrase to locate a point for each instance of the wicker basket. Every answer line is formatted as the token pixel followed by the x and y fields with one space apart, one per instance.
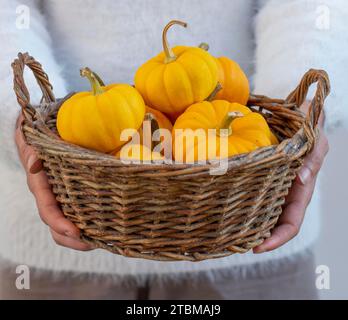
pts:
pixel 179 211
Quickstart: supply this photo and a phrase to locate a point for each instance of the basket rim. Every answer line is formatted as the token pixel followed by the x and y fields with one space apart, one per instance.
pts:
pixel 293 147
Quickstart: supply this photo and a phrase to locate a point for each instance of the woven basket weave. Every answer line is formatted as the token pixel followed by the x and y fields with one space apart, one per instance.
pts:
pixel 177 211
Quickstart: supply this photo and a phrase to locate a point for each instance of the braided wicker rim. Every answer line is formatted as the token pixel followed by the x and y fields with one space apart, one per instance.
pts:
pixel 185 213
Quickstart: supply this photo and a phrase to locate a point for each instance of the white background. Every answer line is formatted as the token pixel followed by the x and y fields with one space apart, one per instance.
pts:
pixel 332 249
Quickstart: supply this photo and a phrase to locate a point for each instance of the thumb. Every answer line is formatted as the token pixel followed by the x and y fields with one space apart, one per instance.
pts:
pixel 314 161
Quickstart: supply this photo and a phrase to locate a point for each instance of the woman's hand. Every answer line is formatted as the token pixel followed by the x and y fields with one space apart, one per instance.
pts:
pixel 300 195
pixel 63 231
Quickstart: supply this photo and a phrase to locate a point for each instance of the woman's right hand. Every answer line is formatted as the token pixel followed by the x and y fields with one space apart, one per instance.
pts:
pixel 63 231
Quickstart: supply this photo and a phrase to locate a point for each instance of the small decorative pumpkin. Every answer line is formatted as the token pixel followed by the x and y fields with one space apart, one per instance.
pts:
pixel 163 121
pixel 177 78
pixel 246 131
pixel 96 119
pixel 142 150
pixel 234 82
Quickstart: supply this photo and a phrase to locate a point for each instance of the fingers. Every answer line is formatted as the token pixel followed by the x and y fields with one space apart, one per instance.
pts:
pixel 63 230
pixel 38 184
pixel 314 160
pixel 280 235
pixel 298 199
pixel 69 242
pixel 49 210
pixel 291 219
pixel 27 154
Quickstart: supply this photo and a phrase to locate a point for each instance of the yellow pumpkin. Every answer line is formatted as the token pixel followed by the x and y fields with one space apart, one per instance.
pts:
pixel 96 119
pixel 137 150
pixel 246 131
pixel 233 80
pixel 177 78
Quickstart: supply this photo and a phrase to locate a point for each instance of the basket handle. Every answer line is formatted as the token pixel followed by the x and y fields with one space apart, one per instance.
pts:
pixel 21 90
pixel 299 95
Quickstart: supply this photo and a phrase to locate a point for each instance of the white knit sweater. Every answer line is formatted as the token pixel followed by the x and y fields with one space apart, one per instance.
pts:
pixel 274 41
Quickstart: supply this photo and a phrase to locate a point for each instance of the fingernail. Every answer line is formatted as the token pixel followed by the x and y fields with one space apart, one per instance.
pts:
pixel 31 160
pixel 36 167
pixel 259 251
pixel 305 175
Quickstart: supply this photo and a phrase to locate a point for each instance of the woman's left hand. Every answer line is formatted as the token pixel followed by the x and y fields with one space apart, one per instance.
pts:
pixel 63 231
pixel 300 195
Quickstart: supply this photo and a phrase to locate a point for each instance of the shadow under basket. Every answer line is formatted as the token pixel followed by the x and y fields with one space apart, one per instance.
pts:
pixel 173 212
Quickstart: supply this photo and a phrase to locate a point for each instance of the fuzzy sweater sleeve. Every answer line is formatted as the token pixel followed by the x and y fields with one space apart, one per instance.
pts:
pixel 22 29
pixel 293 36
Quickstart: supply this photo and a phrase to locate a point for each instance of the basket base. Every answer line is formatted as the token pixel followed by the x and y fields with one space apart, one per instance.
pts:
pixel 174 256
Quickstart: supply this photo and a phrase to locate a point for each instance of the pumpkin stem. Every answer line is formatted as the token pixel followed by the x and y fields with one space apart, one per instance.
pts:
pixel 214 93
pixel 170 56
pixel 101 82
pixel 154 127
pixel 94 79
pixel 227 121
pixel 204 46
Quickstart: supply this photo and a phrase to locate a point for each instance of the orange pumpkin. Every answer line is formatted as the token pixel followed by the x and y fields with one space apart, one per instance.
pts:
pixel 157 120
pixel 163 121
pixel 143 148
pixel 234 82
pixel 245 131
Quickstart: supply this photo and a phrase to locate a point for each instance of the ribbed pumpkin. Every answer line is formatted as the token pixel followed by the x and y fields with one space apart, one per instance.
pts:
pixel 247 131
pixel 177 78
pixel 96 119
pixel 234 82
pixel 137 151
pixel 163 121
